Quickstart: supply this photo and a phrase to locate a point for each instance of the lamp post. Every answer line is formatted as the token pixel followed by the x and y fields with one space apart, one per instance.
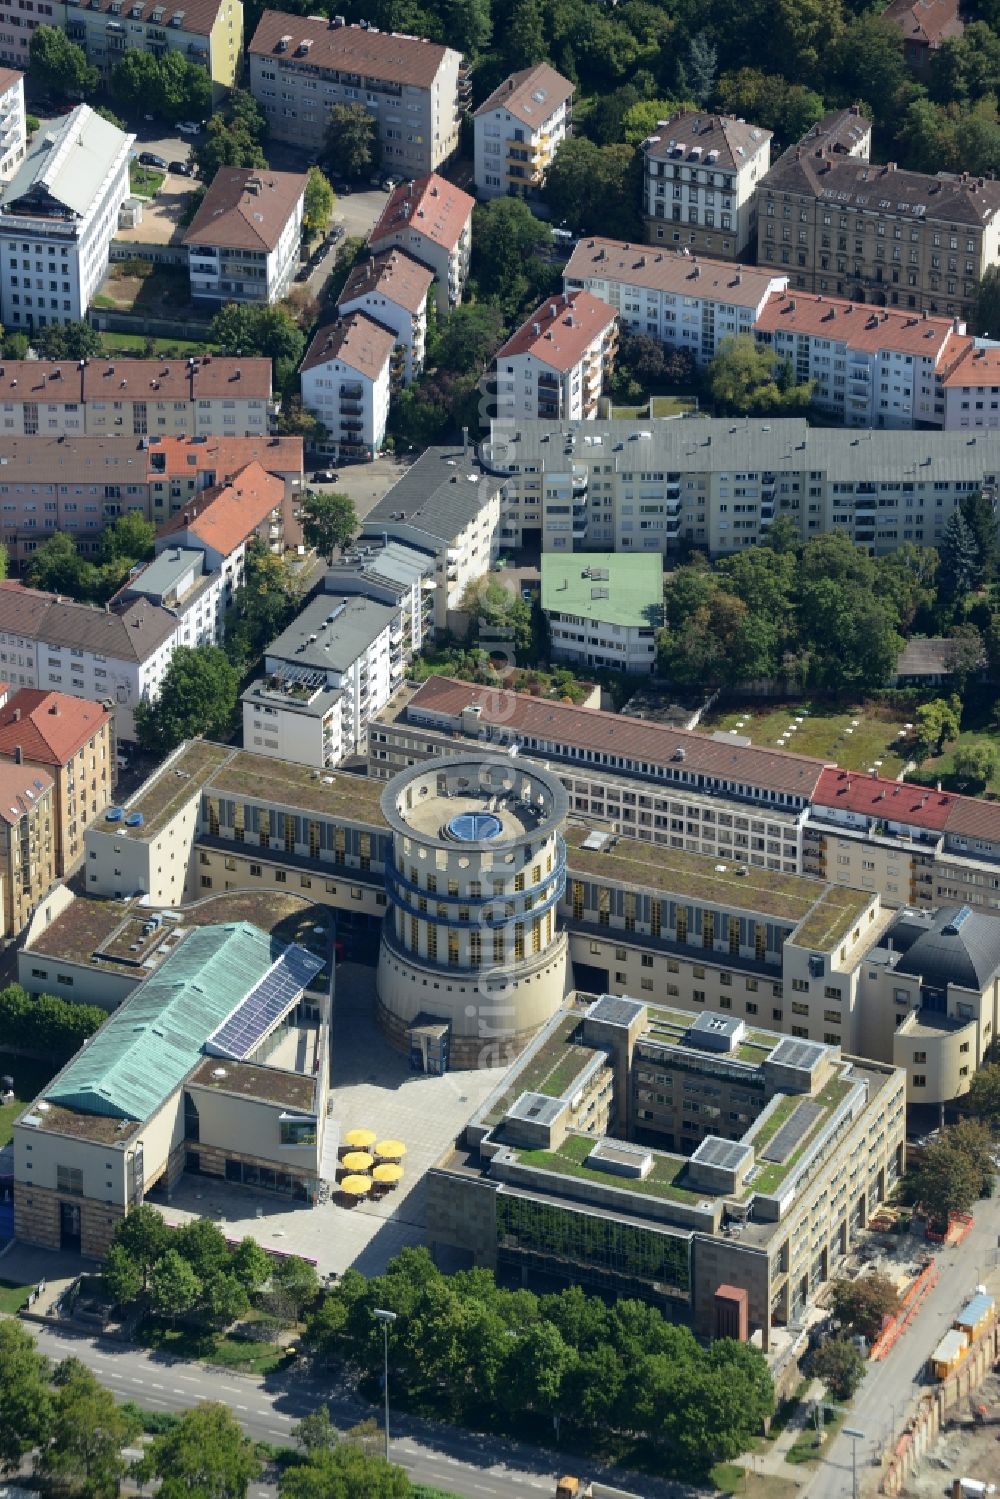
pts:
pixel 856 1436
pixel 387 1319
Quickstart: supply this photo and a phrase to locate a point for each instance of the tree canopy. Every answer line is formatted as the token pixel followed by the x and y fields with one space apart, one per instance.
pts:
pixel 351 145
pixel 329 522
pixel 58 64
pixel 197 696
pixel 170 86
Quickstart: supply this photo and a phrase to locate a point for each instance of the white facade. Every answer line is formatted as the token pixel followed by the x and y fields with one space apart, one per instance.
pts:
pixel 180 580
pixel 393 289
pixel 432 220
pixel 701 176
pixel 294 721
pixel 969 387
pixel 518 130
pixel 13 138
pixel 346 380
pixel 555 365
pixel 58 216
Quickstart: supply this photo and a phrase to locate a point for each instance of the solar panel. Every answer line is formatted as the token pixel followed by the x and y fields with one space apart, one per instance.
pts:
pixel 264 1006
pixel 791 1132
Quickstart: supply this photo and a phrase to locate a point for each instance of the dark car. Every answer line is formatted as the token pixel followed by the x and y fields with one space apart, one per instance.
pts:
pixel 150 159
pixel 181 169
pixel 336 234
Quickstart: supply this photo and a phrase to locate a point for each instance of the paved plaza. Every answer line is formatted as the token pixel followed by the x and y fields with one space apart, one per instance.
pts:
pixel 373 1088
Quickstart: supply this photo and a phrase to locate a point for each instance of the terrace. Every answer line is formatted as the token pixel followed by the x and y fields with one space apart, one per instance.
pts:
pixel 162 797
pixel 353 798
pixel 571 1159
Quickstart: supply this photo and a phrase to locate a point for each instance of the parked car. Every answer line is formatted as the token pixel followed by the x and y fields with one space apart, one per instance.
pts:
pixel 336 234
pixel 325 476
pixel 189 127
pixel 150 159
pixel 181 168
pixel 390 182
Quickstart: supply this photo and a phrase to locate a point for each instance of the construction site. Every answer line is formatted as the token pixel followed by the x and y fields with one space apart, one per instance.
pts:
pixel 968 1447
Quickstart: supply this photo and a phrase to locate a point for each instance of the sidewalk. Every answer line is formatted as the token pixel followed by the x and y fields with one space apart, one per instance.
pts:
pixel 769 1460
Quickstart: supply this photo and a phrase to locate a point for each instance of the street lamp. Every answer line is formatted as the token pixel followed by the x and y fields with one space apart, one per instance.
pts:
pixel 856 1436
pixel 387 1319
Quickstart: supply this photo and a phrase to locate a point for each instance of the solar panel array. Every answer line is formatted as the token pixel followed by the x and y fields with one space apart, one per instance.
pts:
pixel 614 1010
pixel 266 1003
pixel 791 1132
pixel 792 1053
pixel 714 1151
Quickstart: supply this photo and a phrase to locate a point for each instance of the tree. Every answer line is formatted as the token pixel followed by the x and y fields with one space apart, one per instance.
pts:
pixel 329 521
pixel 959 559
pixel 222 145
pixel 128 539
pixel 267 332
pixel 467 340
pixel 745 378
pixel 947 1181
pixel 74 340
pixel 937 722
pixel 840 1365
pixel 974 766
pixel 203 1244
pixel 88 1431
pixel 57 567
pixel 351 144
pixel 173 1286
pixel 983 1097
pixel 525 35
pixel 122 1275
pixel 977 512
pixel 863 1304
pixel 986 314
pixel 223 1298
pixel 297 1281
pixel 507 239
pixel 868 59
pixel 197 696
pixel 25 1398
pixel 344 1472
pixel 59 65
pixel 318 202
pixel 589 186
pixel 204 1455
pixel 251 1265
pixel 467 25
pixel 143 1236
pixel 316 1432
pixel 700 67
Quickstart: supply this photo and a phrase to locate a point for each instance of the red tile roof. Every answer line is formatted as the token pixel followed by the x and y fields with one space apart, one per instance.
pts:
pixel 972 817
pixel 246 208
pixel 9 77
pixel 48 727
pixel 560 331
pixel 180 457
pixel 856 324
pixel 197 16
pixel 531 95
pixel 431 206
pixel 394 275
pixel 225 516
pixel 21 786
pixel 386 55
pixel 671 271
pixel 636 740
pixel 357 340
pixel 891 801
pixel 972 367
pixel 929 21
pixel 63 380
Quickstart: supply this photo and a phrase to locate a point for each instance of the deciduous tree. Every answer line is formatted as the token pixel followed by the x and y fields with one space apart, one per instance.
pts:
pixel 351 144
pixel 318 203
pixel 840 1365
pixel 144 1236
pixel 329 522
pixel 863 1303
pixel 25 1397
pixel 197 696
pixel 203 1456
pixel 59 65
pixel 173 1286
pixel 88 1431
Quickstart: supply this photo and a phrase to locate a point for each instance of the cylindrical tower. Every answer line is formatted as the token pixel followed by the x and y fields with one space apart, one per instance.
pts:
pixel 470 936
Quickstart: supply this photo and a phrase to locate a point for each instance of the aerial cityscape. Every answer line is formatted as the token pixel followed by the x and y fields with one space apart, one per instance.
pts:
pixel 499 749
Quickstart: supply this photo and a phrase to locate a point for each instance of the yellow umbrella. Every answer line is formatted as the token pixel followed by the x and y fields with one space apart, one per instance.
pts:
pixel 360 1139
pixel 358 1160
pixel 356 1186
pixel 388 1173
pixel 390 1149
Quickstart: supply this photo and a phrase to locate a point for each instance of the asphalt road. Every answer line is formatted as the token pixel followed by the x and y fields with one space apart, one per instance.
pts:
pixel 446 1457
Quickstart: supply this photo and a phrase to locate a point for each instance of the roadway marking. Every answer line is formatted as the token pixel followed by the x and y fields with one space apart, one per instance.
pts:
pixel 158 1386
pixel 273 1431
pixel 484 1488
pixel 241 1407
pixel 177 1392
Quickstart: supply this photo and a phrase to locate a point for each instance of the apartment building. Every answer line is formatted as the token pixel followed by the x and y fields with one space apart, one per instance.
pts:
pixel 211 396
pixel 243 243
pixel 181 468
pixel 603 610
pixel 686 301
pixel 17 22
pixel 393 289
pixel 58 216
pixel 968 386
pixel 114 655
pixel 446 508
pixel 924 25
pixel 557 363
pixel 720 483
pixel 729 1171
pixel 27 842
pixel 415 90
pixel 71 740
pixel 518 129
pixel 13 128
pixel 346 381
pixel 207 32
pixel 843 225
pixel 871 366
pixel 431 219
pixel 700 182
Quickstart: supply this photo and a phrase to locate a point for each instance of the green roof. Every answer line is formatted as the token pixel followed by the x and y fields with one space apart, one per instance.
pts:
pixel 149 1045
pixel 607 586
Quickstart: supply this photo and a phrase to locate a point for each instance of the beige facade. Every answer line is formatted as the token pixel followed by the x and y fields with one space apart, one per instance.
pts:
pixel 27 842
pixel 208 32
pixel 701 173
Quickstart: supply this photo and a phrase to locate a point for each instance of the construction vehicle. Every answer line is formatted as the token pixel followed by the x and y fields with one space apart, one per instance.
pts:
pixel 582 1488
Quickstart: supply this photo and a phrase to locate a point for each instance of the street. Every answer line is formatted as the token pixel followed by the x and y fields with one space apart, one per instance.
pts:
pixel 890 1387
pixel 459 1462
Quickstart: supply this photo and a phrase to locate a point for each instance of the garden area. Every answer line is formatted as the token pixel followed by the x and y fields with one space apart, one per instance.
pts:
pixel 137 285
pixel 145 182
pixel 862 735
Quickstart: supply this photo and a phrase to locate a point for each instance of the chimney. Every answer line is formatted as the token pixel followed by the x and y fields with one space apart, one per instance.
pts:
pixel 17 715
pixel 465 442
pixel 54 710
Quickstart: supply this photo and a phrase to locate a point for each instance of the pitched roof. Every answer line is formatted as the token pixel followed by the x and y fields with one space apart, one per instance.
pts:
pixel 393 275
pixel 20 788
pixel 129 634
pixel 224 516
pixel 386 55
pixel 246 208
pixel 924 658
pixel 853 183
pixel 559 332
pixel 432 501
pixel 973 817
pixel 960 946
pixel 885 799
pixel 616 260
pixel 431 206
pixel 65 165
pixel 198 16
pixel 857 325
pixel 177 457
pixel 70 380
pixel 22 609
pixel 973 366
pixel 926 21
pixel 693 135
pixel 649 743
pixel 9 78
pixel 48 727
pixel 531 95
pixel 357 340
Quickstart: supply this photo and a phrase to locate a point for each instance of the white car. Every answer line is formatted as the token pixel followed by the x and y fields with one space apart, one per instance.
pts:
pixel 189 127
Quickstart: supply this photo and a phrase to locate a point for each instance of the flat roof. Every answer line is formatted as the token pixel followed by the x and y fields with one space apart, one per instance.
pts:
pixel 162 797
pixel 293 1090
pixel 342 794
pixel 330 633
pixel 609 587
pixel 838 909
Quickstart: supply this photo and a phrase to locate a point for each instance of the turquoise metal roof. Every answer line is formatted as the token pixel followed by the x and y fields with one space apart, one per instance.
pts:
pixel 148 1046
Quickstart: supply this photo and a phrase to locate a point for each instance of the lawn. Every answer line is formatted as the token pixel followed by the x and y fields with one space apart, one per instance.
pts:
pixel 135 343
pixel 732 1478
pixel 942 767
pixel 145 182
pixel 854 735
pixel 661 406
pixel 13 1297
pixel 29 1080
pixel 807 1449
pixel 212 1348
